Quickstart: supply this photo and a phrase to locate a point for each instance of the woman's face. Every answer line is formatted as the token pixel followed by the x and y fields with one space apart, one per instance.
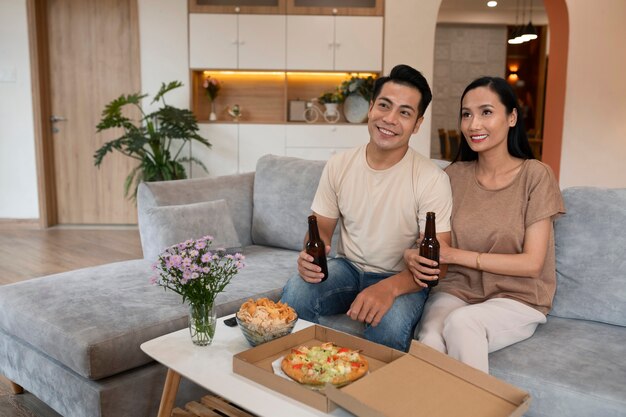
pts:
pixel 484 120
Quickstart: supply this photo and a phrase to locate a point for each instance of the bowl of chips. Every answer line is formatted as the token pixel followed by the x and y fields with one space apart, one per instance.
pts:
pixel 263 320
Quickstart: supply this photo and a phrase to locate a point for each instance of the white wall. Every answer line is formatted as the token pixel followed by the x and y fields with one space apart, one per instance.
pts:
pixel 410 39
pixel 594 133
pixel 164 51
pixel 18 173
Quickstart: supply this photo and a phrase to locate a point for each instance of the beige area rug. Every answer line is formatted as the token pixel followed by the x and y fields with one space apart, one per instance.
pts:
pixel 22 405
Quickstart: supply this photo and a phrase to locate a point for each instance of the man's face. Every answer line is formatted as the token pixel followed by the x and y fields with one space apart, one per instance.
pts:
pixel 393 116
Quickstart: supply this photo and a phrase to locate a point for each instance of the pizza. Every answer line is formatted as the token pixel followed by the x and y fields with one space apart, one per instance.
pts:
pixel 318 365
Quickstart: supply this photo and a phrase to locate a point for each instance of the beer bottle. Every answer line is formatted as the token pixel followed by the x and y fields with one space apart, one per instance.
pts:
pixel 316 247
pixel 429 248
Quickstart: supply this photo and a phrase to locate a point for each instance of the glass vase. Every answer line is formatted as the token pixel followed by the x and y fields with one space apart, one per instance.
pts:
pixel 202 320
pixel 213 115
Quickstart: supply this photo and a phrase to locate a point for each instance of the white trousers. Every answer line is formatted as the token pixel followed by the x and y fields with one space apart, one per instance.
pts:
pixel 469 332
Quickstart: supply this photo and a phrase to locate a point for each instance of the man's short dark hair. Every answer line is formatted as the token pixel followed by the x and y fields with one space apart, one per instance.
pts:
pixel 409 76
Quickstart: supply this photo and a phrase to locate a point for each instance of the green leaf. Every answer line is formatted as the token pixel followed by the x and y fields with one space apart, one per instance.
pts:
pixel 164 89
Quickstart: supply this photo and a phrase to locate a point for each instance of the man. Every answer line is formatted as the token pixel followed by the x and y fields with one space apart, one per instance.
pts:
pixel 381 192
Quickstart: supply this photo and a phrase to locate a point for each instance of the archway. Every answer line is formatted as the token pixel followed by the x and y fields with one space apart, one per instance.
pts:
pixel 557 15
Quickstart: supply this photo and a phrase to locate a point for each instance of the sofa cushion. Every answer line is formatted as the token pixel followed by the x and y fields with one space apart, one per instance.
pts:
pixel 174 224
pixel 284 188
pixel 590 261
pixel 571 368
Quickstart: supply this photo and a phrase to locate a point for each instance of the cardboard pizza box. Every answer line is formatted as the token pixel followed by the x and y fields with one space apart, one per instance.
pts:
pixel 423 382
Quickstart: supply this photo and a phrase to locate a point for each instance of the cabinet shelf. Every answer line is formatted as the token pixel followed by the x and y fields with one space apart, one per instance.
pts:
pixel 303 7
pixel 238 6
pixel 263 96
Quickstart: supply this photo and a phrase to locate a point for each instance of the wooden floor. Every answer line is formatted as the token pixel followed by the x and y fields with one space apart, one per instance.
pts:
pixel 27 253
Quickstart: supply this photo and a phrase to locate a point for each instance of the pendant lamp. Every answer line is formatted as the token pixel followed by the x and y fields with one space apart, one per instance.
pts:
pixel 529 33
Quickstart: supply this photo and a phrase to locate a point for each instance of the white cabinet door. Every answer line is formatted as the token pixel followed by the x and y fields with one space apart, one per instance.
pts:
pixel 221 158
pixel 212 40
pixel 258 140
pixel 310 42
pixel 323 141
pixel 262 41
pixel 358 43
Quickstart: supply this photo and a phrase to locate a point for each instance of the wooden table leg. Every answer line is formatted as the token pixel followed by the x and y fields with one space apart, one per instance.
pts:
pixel 172 381
pixel 17 389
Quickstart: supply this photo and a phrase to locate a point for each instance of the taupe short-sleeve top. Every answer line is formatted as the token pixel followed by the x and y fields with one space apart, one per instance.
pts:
pixel 495 221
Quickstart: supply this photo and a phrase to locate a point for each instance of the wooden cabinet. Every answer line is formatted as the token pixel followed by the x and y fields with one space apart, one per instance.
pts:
pixel 258 140
pixel 236 148
pixel 334 43
pixel 336 7
pixel 222 157
pixel 238 6
pixel 358 43
pixel 320 142
pixel 310 7
pixel 233 41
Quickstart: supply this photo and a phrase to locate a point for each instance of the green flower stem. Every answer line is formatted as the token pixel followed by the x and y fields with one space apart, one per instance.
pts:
pixel 202 323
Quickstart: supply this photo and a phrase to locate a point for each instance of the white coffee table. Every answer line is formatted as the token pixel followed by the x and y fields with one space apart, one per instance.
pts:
pixel 211 367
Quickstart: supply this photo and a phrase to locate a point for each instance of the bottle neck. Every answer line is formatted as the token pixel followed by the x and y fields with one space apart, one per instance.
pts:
pixel 430 231
pixel 314 233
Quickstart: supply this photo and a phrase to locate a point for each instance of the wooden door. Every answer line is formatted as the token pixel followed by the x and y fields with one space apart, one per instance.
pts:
pixel 93 52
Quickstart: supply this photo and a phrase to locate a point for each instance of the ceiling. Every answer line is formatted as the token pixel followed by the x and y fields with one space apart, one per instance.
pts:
pixel 476 11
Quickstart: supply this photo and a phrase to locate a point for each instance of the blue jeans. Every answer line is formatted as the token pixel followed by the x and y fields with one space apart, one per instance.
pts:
pixel 336 294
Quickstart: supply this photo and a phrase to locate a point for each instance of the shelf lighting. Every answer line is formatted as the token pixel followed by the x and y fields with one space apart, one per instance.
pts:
pixel 289 73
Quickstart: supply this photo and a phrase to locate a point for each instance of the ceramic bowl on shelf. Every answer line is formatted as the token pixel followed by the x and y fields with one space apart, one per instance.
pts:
pixel 256 335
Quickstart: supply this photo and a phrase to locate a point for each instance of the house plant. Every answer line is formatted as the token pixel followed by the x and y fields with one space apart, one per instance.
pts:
pixel 357 92
pixel 156 140
pixel 198 274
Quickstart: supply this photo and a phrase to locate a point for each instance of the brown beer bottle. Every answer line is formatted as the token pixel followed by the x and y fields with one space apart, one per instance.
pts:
pixel 429 248
pixel 316 247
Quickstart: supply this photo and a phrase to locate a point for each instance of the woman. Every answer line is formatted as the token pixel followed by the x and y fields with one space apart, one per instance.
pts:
pixel 501 276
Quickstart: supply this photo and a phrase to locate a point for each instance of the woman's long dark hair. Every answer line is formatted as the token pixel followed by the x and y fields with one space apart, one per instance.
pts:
pixel 517 140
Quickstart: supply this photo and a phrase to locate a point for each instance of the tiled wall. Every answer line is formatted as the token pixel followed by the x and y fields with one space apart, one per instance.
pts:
pixel 462 53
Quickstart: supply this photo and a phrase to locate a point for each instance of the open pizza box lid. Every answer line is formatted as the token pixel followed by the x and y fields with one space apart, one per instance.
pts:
pixel 423 382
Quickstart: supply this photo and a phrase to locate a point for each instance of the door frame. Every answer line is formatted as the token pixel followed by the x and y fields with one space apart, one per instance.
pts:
pixel 40 80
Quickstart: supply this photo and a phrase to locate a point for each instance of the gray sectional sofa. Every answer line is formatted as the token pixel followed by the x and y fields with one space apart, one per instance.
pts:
pixel 72 339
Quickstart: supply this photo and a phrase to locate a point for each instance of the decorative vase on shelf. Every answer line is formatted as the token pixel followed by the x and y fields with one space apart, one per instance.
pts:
pixel 331 114
pixel 355 108
pixel 202 321
pixel 212 116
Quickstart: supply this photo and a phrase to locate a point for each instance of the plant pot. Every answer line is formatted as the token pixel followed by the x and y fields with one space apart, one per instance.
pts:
pixel 331 114
pixel 355 108
pixel 202 321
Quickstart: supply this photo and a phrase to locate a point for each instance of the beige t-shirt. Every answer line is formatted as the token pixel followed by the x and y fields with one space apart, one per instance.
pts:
pixel 495 221
pixel 382 211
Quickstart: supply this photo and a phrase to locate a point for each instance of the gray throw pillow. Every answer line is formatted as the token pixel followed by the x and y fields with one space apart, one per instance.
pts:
pixel 174 224
pixel 590 262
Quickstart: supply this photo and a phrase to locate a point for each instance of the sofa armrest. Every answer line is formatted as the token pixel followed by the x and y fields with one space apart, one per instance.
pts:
pixel 235 189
